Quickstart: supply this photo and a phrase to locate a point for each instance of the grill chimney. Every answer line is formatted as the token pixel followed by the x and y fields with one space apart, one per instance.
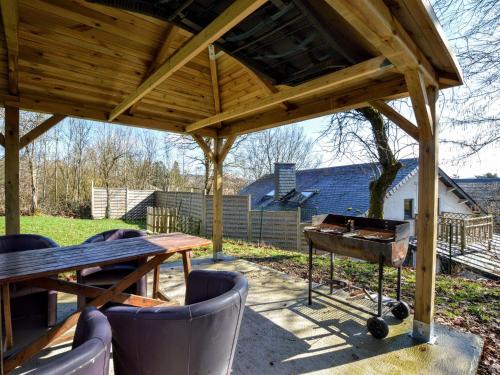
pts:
pixel 284 179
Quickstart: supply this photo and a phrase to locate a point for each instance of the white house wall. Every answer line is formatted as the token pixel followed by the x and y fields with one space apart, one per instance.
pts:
pixel 448 200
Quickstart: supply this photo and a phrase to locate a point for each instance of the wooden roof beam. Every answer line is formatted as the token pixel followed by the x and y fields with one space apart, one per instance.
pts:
pixel 40 129
pixel 392 89
pixel 420 102
pixel 162 54
pixel 10 20
pixel 215 79
pixel 227 147
pixel 372 68
pixel 374 21
pixel 409 127
pixel 231 17
pixel 40 104
pixel 204 146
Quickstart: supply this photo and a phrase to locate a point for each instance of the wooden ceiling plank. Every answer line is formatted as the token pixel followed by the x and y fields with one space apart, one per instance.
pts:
pixel 264 84
pixel 233 15
pixel 392 89
pixel 409 127
pixel 10 20
pixel 368 69
pixel 40 129
pixel 162 54
pixel 374 21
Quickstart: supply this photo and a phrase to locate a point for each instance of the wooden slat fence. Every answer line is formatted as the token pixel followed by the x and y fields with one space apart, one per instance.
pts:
pixel 188 212
pixel 124 203
pixel 168 220
pixel 463 229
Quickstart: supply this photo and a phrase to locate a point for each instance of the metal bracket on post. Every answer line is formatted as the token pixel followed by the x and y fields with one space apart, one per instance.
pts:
pixel 423 332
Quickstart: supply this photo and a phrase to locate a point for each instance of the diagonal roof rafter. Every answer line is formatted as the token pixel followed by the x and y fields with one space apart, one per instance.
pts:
pixel 374 21
pixel 367 69
pixel 233 15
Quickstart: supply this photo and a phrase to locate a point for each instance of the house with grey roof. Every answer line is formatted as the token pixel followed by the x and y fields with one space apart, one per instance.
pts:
pixel 345 190
pixel 486 192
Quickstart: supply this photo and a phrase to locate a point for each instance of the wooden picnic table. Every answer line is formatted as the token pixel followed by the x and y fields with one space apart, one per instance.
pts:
pixel 37 268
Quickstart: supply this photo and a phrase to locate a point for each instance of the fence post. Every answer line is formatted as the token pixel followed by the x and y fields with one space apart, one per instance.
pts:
pixel 92 200
pixel 299 234
pixel 249 219
pixel 462 237
pixel 126 203
pixel 203 228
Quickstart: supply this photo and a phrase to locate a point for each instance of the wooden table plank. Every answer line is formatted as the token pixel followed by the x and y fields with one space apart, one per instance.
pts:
pixel 30 264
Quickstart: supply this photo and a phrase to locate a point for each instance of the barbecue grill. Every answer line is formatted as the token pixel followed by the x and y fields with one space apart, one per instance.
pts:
pixel 374 240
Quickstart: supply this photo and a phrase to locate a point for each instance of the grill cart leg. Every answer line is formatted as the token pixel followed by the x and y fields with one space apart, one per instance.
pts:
pixel 310 271
pixel 380 284
pixel 398 290
pixel 331 273
pixel 376 324
pixel 401 310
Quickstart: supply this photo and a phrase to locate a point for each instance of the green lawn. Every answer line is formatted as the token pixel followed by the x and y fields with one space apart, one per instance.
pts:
pixel 67 231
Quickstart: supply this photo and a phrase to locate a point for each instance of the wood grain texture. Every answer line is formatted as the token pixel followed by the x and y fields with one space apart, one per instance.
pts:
pixel 239 10
pixel 40 129
pixel 427 214
pixel 12 208
pixel 10 20
pixel 368 69
pixel 39 263
pixel 410 128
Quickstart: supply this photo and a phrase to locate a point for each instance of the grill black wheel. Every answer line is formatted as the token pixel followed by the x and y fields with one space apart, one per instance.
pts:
pixel 377 327
pixel 401 311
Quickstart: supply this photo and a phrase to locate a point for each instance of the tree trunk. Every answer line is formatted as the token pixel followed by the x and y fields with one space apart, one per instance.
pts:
pixel 34 192
pixel 388 163
pixel 107 214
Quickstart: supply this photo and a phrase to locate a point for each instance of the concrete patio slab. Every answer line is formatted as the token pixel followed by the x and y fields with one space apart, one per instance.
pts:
pixel 281 334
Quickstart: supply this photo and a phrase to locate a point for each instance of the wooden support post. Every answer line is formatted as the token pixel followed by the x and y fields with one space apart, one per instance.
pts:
pixel 12 211
pixel 156 282
pixel 424 105
pixel 217 200
pixel 186 264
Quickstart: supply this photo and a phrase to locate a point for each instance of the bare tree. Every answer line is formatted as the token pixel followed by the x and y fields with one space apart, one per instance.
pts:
pixel 81 132
pixel 261 150
pixel 472 25
pixel 381 142
pixel 29 121
pixel 111 146
pixel 192 152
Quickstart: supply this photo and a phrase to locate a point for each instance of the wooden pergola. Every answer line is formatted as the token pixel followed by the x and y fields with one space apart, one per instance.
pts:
pixel 77 58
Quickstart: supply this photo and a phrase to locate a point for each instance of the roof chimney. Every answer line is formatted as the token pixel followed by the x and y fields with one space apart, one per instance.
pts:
pixel 284 179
